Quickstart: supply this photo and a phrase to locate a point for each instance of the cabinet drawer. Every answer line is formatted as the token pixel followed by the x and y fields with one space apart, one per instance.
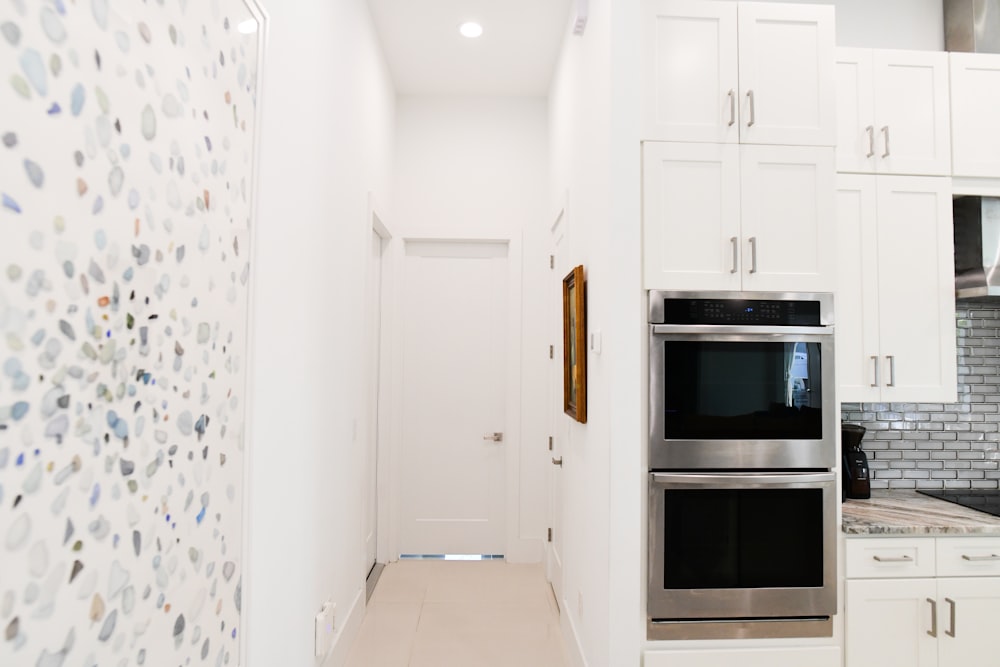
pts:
pixel 889 557
pixel 968 556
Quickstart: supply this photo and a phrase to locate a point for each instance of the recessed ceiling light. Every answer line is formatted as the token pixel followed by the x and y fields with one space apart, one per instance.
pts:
pixel 247 27
pixel 470 29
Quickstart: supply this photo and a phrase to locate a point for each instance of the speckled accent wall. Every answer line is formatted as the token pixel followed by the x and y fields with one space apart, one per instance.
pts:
pixel 949 445
pixel 126 166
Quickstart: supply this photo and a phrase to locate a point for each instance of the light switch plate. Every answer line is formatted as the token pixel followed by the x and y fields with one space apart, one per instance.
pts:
pixel 324 629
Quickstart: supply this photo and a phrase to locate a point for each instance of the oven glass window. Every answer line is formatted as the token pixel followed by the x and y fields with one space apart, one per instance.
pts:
pixel 744 538
pixel 743 390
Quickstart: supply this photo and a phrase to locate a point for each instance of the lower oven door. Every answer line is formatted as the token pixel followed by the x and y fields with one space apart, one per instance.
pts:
pixel 745 547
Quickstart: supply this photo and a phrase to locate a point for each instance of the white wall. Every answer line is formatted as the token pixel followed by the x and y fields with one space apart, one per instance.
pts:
pixel 887 24
pixel 327 141
pixel 475 167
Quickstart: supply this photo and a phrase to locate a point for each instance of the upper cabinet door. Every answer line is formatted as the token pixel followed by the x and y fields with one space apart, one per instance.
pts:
pixel 689 71
pixel 691 216
pixel 975 99
pixel 913 134
pixel 855 111
pixel 788 222
pixel 786 63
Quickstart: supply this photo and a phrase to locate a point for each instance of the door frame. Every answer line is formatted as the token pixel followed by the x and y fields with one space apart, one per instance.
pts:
pixel 383 468
pixel 560 225
pixel 519 546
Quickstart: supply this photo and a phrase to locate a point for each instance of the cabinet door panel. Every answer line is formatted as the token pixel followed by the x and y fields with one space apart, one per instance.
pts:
pixel 786 59
pixel 691 214
pixel 977 608
pixel 856 305
pixel 789 240
pixel 916 289
pixel 689 67
pixel 855 111
pixel 975 98
pixel 911 113
pixel 887 622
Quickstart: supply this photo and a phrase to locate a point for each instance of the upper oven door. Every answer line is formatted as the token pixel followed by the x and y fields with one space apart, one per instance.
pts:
pixel 725 397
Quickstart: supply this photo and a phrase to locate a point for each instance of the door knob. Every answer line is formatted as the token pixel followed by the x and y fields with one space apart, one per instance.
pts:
pixel 557 462
pixel 495 437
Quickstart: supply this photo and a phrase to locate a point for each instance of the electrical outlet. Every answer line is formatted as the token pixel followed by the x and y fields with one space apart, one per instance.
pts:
pixel 325 625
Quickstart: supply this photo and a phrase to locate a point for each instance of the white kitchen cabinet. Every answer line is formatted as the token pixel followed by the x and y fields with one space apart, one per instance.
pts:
pixel 893 112
pixel 945 619
pixel 975 98
pixel 729 72
pixel 895 299
pixel 726 217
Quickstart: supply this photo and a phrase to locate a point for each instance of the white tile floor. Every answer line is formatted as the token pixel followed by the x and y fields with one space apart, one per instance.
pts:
pixel 456 613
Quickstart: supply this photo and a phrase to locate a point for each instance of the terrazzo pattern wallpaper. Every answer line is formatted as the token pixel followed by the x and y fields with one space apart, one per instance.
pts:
pixel 126 168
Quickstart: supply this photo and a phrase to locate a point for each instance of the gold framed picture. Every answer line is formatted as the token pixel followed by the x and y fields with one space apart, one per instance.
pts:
pixel 575 345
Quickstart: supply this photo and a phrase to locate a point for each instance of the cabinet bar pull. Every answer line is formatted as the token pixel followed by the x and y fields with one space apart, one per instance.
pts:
pixel 980 558
pixel 736 253
pixel 951 616
pixel 732 107
pixel 871 140
pixel 753 118
pixel 933 631
pixel 885 131
pixel 892 370
pixel 753 254
pixel 894 559
pixel 877 382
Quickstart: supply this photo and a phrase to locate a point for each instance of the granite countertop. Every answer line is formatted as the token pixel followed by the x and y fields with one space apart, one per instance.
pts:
pixel 906 512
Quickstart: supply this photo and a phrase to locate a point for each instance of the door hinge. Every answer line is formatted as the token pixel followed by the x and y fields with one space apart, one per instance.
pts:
pixel 550 534
pixel 550 443
pixel 552 351
pixel 552 261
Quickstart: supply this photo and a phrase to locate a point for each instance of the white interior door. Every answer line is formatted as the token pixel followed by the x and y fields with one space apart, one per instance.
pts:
pixel 558 422
pixel 454 332
pixel 370 501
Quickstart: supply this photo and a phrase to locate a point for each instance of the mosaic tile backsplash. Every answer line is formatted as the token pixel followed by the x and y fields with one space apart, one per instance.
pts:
pixel 934 445
pixel 126 159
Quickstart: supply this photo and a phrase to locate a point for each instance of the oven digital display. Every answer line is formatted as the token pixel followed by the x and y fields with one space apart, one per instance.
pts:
pixel 754 312
pixel 742 390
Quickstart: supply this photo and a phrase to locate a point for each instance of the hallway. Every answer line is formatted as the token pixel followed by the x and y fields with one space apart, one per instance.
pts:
pixel 460 613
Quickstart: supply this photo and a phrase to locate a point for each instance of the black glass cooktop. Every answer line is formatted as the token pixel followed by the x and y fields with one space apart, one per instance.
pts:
pixel 984 500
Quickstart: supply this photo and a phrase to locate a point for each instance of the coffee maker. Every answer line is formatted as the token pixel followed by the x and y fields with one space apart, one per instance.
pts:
pixel 856 477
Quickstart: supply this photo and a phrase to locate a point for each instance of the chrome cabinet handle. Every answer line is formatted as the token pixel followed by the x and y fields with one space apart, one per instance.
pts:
pixel 495 437
pixel 980 558
pixel 892 370
pixel 875 364
pixel 557 461
pixel 885 131
pixel 732 107
pixel 871 140
pixel 933 631
pixel 753 118
pixel 753 254
pixel 736 253
pixel 894 559
pixel 951 616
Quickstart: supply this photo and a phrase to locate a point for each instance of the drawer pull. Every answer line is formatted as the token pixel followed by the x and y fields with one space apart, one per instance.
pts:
pixel 894 559
pixel 980 558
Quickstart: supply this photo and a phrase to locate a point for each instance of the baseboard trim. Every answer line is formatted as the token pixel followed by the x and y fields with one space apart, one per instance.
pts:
pixel 571 640
pixel 347 632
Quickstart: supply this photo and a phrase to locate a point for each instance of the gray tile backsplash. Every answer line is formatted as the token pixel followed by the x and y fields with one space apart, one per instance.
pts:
pixel 951 445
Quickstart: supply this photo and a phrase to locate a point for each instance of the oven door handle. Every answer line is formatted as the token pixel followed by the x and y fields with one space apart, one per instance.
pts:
pixel 741 479
pixel 738 329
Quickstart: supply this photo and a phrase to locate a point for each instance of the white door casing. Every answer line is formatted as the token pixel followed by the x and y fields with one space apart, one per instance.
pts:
pixel 374 305
pixel 452 489
pixel 558 423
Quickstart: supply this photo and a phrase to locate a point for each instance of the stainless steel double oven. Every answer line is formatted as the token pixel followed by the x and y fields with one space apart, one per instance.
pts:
pixel 743 428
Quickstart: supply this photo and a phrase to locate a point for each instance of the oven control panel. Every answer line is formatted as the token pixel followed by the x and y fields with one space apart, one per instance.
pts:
pixel 752 312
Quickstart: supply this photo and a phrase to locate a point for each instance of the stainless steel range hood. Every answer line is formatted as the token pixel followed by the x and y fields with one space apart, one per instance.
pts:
pixel 972 26
pixel 977 247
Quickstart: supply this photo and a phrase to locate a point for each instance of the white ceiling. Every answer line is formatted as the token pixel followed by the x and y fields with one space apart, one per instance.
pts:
pixel 516 54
